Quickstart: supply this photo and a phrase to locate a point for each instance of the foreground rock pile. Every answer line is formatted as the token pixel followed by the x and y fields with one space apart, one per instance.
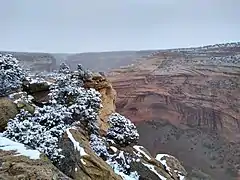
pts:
pixel 63 125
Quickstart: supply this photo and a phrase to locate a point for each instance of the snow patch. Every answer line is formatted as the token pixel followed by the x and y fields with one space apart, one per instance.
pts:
pixel 38 80
pixel 9 145
pixel 138 160
pixel 132 176
pixel 160 156
pixel 22 97
pixel 11 96
pixel 152 168
pixel 114 149
pixel 76 144
pixel 163 161
pixel 138 148
pixel 118 170
pixel 83 162
pixel 181 177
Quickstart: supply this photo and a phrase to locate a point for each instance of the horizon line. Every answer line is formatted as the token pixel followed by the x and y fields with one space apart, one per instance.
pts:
pixel 124 50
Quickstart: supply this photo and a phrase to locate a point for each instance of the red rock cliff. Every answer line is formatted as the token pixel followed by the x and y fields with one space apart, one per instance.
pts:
pixel 188 98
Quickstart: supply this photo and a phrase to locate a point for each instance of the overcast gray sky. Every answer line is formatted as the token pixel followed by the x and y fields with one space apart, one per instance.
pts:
pixel 102 25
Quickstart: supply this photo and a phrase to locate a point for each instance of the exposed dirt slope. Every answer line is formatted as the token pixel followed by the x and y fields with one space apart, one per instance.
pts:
pixel 187 102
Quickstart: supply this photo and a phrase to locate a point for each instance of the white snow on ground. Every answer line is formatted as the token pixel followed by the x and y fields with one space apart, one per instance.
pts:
pixel 181 177
pixel 22 97
pixel 138 148
pixel 117 169
pixel 9 145
pixel 160 156
pixel 83 162
pixel 37 80
pixel 151 168
pixel 76 144
pixel 164 162
pixel 132 176
pixel 121 156
pixel 114 149
pixel 11 96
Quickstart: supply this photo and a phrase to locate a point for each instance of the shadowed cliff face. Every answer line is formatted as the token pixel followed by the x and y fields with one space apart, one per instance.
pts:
pixel 186 102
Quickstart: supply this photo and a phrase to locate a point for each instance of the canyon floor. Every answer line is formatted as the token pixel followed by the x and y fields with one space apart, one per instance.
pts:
pixel 186 102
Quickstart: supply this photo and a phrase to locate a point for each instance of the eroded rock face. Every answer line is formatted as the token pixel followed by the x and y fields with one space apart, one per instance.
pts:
pixel 20 167
pixel 8 110
pixel 83 166
pixel 108 96
pixel 187 101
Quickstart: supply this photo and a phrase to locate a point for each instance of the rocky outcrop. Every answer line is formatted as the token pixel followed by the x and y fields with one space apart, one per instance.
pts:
pixel 23 101
pixel 83 166
pixel 20 162
pixel 108 96
pixel 8 110
pixel 190 96
pixel 19 167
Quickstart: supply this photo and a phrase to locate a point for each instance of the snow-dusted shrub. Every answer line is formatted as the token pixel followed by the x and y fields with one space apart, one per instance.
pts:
pixel 122 130
pixel 120 162
pixel 52 116
pixel 83 103
pixel 64 91
pixel 11 74
pixel 64 68
pixel 87 104
pixel 98 145
pixel 83 73
pixel 41 130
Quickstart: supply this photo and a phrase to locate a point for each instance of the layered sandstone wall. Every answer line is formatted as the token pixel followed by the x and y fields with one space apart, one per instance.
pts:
pixel 190 90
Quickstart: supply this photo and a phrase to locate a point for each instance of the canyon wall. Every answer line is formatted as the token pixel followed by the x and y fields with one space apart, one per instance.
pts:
pixel 187 102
